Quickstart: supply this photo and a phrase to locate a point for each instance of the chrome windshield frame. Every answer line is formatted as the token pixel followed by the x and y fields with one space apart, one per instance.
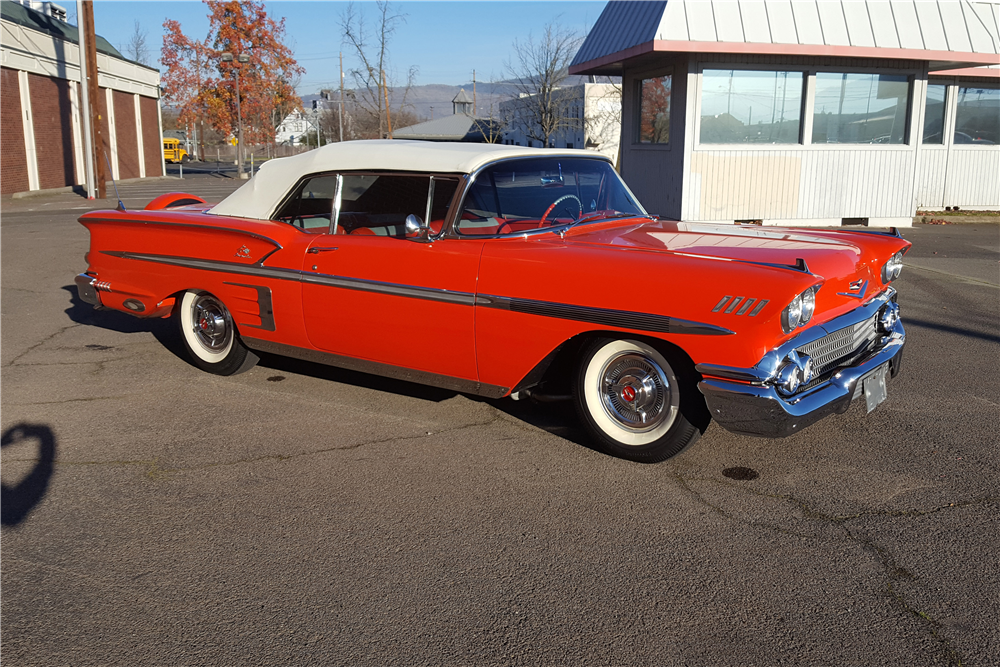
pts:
pixel 450 232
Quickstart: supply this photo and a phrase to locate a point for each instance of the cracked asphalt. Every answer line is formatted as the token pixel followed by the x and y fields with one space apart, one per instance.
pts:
pixel 157 515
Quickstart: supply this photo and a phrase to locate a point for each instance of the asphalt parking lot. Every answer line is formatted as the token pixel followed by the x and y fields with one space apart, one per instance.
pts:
pixel 154 514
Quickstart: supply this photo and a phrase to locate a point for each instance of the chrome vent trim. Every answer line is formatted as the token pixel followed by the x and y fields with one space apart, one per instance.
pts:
pixel 733 303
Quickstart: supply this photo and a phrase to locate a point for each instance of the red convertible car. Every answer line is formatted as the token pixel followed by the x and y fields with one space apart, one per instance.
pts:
pixel 507 271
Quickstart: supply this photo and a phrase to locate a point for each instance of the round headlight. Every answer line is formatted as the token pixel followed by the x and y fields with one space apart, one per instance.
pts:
pixel 808 305
pixel 792 315
pixel 892 268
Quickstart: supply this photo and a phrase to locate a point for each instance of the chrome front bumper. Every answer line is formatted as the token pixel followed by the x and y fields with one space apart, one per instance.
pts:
pixel 753 406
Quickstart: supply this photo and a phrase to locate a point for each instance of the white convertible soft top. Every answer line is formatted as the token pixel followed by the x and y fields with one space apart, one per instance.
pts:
pixel 261 194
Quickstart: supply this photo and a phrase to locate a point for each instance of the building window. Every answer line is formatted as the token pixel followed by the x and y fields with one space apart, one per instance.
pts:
pixel 934 114
pixel 977 120
pixel 654 110
pixel 855 108
pixel 750 107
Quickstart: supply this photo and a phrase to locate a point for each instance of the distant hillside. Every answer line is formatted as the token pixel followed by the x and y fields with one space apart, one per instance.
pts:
pixel 439 96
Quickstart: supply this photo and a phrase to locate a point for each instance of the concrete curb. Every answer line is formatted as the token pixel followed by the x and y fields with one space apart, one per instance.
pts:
pixel 79 188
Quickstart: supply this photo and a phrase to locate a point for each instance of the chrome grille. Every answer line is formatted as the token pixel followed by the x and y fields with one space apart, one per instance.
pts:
pixel 843 347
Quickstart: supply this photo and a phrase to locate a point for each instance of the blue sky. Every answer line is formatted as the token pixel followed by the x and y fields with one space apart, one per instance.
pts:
pixel 445 40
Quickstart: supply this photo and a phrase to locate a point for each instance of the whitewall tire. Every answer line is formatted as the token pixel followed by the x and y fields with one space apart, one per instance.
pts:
pixel 210 336
pixel 632 401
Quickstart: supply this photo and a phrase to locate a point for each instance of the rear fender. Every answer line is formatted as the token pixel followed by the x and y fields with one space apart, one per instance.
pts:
pixel 172 200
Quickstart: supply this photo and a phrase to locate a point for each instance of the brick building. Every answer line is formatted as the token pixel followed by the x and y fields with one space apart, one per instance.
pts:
pixel 41 128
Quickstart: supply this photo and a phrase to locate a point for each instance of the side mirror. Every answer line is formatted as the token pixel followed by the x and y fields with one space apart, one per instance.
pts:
pixel 415 229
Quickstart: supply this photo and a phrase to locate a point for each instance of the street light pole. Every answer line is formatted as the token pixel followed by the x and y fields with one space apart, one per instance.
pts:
pixel 242 59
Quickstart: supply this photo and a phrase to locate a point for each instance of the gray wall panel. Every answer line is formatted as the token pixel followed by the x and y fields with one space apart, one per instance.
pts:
pixel 972 177
pixel 929 185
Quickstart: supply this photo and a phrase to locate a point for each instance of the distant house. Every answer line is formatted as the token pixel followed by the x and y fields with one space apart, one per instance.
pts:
pixel 594 110
pixel 293 129
pixel 826 113
pixel 462 125
pixel 41 104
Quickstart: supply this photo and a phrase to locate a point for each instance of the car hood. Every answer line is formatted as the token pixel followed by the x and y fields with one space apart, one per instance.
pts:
pixel 841 259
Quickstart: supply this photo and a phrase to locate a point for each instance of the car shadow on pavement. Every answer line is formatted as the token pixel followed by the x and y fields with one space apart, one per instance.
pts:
pixel 164 330
pixel 354 378
pixel 556 418
pixel 17 500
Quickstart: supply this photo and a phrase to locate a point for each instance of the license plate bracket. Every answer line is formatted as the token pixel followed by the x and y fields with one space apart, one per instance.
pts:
pixel 874 387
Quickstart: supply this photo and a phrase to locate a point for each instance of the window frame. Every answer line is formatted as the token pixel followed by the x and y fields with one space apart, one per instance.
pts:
pixel 636 115
pixel 908 129
pixel 955 85
pixel 804 107
pixel 458 203
pixel 338 197
pixel 808 106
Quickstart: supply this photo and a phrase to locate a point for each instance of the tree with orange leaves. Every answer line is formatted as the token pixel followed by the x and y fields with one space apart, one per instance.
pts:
pixel 204 87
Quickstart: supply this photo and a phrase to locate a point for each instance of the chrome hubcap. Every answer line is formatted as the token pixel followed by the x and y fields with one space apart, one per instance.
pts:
pixel 635 392
pixel 211 324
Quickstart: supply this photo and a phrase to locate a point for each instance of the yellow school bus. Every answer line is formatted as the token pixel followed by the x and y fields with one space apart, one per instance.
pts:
pixel 172 151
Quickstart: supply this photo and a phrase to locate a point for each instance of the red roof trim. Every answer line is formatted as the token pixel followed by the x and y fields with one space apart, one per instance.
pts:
pixel 744 48
pixel 969 71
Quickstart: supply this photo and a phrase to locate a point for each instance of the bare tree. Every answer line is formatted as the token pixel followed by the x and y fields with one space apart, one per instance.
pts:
pixel 538 70
pixel 373 79
pixel 494 121
pixel 137 49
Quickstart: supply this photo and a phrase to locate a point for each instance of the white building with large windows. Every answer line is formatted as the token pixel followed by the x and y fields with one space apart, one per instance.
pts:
pixel 796 113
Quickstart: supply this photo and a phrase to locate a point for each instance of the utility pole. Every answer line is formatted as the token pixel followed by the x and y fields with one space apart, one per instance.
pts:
pixel 201 112
pixel 341 115
pixel 87 36
pixel 88 149
pixel 475 109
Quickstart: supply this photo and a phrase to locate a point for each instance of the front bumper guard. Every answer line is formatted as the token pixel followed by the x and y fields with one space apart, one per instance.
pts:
pixel 752 405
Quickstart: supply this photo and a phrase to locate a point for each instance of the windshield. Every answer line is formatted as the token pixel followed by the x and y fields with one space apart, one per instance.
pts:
pixel 516 196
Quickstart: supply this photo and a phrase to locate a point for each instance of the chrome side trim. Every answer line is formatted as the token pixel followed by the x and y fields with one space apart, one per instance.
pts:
pixel 210 265
pixel 392 289
pixel 616 318
pixel 623 319
pixel 377 368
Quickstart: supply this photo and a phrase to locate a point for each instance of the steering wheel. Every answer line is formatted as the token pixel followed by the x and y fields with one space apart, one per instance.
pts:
pixel 556 203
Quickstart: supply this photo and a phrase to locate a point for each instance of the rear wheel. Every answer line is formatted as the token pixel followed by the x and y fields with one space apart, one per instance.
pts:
pixel 210 336
pixel 634 402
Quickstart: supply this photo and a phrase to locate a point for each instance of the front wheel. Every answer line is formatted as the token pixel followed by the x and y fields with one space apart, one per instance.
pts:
pixel 633 402
pixel 210 336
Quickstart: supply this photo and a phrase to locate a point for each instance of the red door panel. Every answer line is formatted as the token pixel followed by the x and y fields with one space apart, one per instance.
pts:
pixel 394 301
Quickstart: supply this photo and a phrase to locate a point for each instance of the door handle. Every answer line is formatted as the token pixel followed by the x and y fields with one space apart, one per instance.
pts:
pixel 317 250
